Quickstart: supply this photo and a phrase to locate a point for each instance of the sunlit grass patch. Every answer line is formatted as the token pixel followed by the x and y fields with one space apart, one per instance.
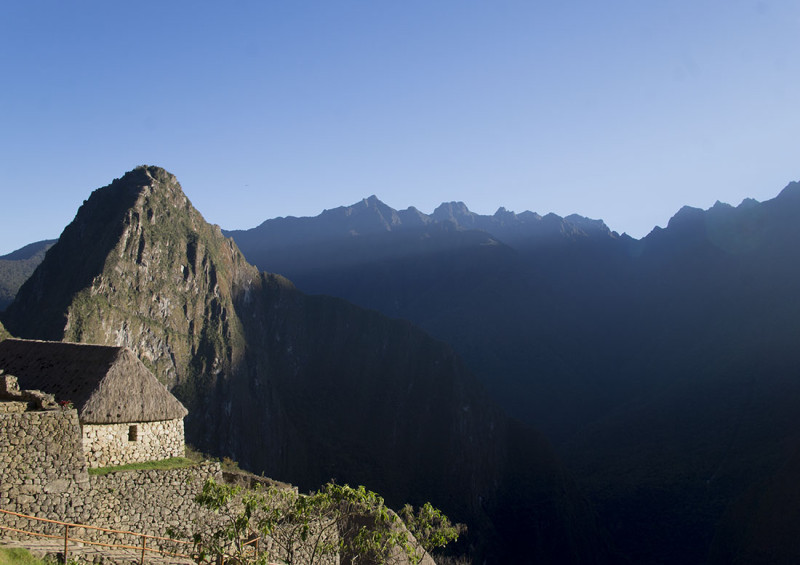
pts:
pixel 171 463
pixel 18 556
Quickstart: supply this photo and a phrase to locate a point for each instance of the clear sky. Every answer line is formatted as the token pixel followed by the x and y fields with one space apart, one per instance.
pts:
pixel 623 110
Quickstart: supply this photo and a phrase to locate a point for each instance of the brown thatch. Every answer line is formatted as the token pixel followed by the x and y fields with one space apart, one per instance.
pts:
pixel 106 384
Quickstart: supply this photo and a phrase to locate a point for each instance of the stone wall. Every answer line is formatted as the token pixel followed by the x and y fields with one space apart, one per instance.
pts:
pixel 13 407
pixel 107 445
pixel 151 501
pixel 42 467
pixel 43 473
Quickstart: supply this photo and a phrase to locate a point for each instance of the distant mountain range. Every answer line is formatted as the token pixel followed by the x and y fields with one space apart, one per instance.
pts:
pixel 358 234
pixel 665 370
pixel 302 388
pixel 16 267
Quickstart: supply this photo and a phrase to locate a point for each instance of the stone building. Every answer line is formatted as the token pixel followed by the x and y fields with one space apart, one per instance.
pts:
pixel 126 415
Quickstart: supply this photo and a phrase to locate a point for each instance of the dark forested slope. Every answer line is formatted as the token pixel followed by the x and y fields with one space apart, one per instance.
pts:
pixel 16 267
pixel 665 369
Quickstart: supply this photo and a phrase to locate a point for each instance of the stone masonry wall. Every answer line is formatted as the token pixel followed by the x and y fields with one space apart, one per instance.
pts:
pixel 151 501
pixel 13 407
pixel 107 445
pixel 42 467
pixel 43 473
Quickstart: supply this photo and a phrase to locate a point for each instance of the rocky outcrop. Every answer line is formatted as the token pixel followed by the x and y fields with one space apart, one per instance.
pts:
pixel 140 267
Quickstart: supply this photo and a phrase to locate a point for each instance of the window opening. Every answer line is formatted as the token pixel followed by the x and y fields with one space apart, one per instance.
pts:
pixel 133 433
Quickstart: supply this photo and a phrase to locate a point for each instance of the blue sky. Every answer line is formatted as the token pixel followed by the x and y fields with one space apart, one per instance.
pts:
pixel 620 110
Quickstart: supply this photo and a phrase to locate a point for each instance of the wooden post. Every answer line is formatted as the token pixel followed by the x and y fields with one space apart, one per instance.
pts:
pixel 144 546
pixel 66 542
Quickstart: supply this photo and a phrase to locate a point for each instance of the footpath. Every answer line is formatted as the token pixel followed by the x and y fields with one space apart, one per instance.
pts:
pixel 52 549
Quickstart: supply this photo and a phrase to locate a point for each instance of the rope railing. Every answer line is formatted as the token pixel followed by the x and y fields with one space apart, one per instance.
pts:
pixel 255 542
pixel 66 537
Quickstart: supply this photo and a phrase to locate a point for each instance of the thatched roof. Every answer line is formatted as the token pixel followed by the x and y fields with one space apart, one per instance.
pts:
pixel 106 384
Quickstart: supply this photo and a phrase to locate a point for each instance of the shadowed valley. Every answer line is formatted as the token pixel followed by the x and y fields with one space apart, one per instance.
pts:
pixel 663 369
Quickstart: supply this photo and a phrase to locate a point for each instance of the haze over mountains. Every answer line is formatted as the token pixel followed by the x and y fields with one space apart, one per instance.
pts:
pixel 665 370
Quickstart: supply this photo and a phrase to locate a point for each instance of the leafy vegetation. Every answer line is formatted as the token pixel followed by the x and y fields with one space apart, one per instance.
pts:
pixel 352 522
pixel 430 528
pixel 171 463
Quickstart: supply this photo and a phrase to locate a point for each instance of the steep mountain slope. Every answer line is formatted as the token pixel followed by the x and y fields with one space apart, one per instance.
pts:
pixel 713 375
pixel 3 333
pixel 301 388
pixel 510 292
pixel 17 266
pixel 760 528
pixel 665 369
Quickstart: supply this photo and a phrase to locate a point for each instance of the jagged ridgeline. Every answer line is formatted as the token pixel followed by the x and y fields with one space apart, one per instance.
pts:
pixel 302 388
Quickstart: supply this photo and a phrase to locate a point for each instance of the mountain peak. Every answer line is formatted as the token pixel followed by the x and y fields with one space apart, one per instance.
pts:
pixel 134 239
pixel 792 190
pixel 748 203
pixel 449 210
pixel 372 201
pixel 369 215
pixel 143 176
pixel 685 216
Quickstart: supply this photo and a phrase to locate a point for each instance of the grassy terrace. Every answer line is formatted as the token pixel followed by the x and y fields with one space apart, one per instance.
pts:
pixel 193 457
pixel 17 556
pixel 172 463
